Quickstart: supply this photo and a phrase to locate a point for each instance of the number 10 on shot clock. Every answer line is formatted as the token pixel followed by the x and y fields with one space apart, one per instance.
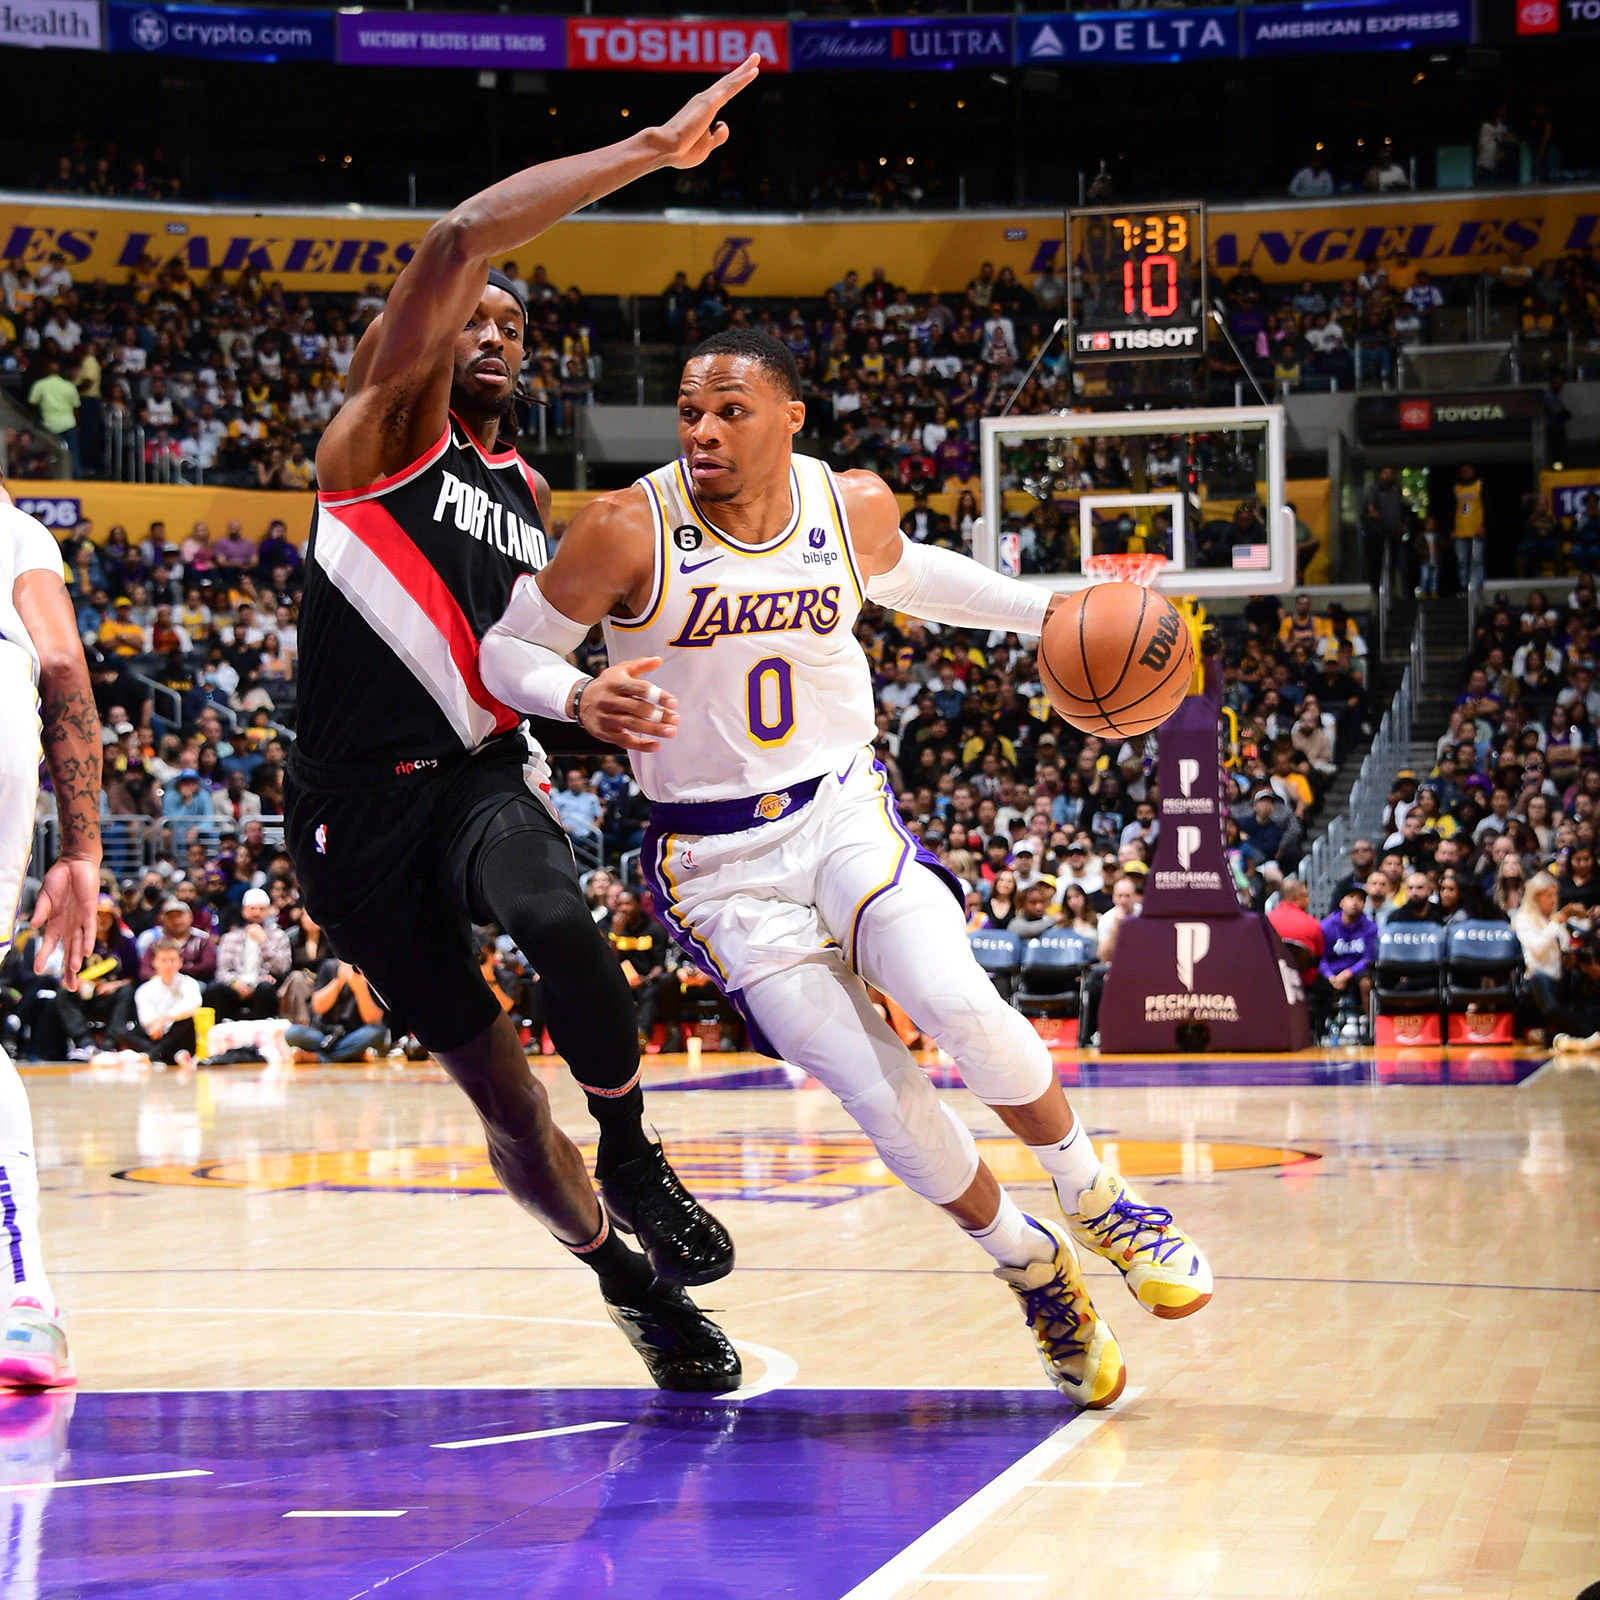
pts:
pixel 1138 281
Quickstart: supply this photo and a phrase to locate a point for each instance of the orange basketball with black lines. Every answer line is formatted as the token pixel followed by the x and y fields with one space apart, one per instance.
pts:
pixel 1116 659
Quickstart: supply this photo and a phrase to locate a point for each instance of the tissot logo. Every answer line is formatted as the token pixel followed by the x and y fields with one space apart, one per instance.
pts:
pixel 1185 338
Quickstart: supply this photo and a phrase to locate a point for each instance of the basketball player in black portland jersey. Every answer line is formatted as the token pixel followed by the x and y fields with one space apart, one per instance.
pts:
pixel 415 802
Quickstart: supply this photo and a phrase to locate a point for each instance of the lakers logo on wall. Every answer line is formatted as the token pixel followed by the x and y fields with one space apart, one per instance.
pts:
pixel 816 1170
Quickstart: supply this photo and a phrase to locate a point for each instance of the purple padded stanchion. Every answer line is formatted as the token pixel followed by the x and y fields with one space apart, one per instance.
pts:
pixel 1194 954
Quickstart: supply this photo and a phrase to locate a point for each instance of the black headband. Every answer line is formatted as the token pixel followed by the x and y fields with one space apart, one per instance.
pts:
pixel 498 280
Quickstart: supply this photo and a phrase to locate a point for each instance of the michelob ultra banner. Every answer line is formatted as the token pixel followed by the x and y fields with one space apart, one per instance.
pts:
pixel 346 249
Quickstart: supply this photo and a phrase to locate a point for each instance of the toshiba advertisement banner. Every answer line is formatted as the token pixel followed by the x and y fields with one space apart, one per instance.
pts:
pixel 632 44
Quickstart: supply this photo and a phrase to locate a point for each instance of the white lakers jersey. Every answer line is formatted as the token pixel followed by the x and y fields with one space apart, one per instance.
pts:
pixel 756 642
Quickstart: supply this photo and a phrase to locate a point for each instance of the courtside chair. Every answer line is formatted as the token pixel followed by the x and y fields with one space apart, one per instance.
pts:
pixel 999 953
pixel 1051 981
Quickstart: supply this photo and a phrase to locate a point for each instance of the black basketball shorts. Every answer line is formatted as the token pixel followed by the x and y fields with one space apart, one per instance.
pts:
pixel 387 867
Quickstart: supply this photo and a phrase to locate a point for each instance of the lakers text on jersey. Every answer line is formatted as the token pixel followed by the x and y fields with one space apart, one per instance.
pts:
pixel 756 642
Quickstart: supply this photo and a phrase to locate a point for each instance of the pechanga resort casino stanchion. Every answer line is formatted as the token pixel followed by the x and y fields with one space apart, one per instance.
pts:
pixel 1195 970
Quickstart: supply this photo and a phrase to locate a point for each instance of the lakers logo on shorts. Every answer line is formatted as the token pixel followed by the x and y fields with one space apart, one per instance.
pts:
pixel 772 806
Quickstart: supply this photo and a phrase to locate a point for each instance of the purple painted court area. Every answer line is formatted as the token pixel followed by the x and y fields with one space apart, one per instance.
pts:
pixel 800 1492
pixel 1310 1070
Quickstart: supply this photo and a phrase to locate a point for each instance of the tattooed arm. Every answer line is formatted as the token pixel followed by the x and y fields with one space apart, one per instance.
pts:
pixel 71 735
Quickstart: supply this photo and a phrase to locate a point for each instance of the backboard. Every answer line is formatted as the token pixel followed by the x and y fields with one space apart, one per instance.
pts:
pixel 1203 487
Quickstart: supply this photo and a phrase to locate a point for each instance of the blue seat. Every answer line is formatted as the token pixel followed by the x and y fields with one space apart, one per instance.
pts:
pixel 1483 966
pixel 999 953
pixel 1053 966
pixel 1408 972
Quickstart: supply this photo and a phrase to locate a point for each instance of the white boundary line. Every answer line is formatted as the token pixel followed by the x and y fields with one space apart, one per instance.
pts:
pixel 90 1483
pixel 335 1516
pixel 909 1565
pixel 518 1438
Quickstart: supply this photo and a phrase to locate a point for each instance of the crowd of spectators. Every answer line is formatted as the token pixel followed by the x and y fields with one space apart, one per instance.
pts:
pixel 226 378
pixel 1502 825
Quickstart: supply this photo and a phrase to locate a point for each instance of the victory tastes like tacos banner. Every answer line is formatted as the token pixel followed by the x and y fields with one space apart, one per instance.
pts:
pixel 346 249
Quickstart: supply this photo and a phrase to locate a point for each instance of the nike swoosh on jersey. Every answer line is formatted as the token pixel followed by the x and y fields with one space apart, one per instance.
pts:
pixel 686 569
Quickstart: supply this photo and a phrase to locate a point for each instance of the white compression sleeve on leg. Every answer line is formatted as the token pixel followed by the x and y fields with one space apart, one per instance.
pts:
pixel 21 1257
pixel 912 943
pixel 520 658
pixel 937 585
pixel 818 1015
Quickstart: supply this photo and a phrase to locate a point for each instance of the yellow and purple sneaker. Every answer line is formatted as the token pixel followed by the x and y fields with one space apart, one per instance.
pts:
pixel 33 1348
pixel 1077 1350
pixel 1162 1266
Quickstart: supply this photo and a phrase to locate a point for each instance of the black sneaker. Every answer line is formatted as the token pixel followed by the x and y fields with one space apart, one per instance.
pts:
pixel 684 1242
pixel 678 1342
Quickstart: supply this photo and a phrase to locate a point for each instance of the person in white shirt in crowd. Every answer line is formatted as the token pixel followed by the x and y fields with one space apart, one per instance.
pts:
pixel 1312 180
pixel 1082 870
pixel 1541 927
pixel 1386 175
pixel 1380 897
pixel 166 1005
pixel 1024 867
pixel 1124 904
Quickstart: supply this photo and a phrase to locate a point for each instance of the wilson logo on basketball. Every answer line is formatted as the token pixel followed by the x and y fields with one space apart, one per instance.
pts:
pixel 1159 651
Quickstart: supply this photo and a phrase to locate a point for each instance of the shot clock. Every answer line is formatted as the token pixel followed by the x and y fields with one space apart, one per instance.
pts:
pixel 1137 276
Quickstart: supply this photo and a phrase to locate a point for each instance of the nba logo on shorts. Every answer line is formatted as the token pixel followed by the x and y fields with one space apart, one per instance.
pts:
pixel 1188 843
pixel 321 838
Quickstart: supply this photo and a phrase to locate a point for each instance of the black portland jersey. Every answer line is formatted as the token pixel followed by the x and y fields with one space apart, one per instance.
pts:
pixel 403 579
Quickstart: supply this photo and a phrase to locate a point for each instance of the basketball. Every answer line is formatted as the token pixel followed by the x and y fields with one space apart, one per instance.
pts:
pixel 1116 659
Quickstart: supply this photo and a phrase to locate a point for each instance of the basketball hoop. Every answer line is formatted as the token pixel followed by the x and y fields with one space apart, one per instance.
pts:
pixel 1140 569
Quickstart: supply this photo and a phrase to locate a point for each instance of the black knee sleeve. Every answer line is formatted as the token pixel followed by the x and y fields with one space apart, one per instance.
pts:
pixel 524 881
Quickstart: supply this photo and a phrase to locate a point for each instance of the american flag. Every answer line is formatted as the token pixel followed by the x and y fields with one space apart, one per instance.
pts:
pixel 1252 557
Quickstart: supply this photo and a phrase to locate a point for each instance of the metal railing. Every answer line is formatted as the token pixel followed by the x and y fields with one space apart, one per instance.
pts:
pixel 127 458
pixel 1362 817
pixel 130 845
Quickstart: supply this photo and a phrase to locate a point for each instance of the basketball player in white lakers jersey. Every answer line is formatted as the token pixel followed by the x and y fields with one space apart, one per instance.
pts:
pixel 44 687
pixel 775 851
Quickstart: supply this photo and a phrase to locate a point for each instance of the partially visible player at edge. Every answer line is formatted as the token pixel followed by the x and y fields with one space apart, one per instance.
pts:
pixel 44 695
pixel 417 804
pixel 775 850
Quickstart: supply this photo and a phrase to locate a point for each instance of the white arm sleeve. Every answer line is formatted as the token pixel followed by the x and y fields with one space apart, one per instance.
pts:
pixel 520 658
pixel 938 585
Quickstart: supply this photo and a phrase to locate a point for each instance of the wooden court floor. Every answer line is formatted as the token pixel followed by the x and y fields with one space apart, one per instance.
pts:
pixel 1395 1392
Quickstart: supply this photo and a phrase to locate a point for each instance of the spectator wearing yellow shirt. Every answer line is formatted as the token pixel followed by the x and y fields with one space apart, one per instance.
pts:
pixel 56 399
pixel 120 635
pixel 1467 534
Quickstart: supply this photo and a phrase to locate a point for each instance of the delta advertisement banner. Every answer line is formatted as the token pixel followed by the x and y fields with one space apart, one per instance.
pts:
pixel 341 250
pixel 1321 27
pixel 632 44
pixel 1127 37
pixel 51 24
pixel 911 44
pixel 220 33
pixel 451 39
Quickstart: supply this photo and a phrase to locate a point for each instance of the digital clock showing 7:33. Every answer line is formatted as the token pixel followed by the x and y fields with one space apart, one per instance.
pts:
pixel 1138 281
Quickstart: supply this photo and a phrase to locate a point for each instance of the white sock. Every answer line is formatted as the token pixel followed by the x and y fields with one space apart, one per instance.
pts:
pixel 1072 1164
pixel 21 1260
pixel 1012 1239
